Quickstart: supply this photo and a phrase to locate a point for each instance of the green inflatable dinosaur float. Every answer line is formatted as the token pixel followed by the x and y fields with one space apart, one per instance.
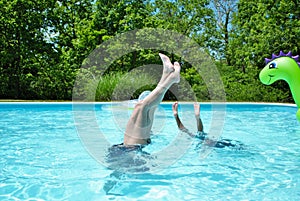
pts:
pixel 283 67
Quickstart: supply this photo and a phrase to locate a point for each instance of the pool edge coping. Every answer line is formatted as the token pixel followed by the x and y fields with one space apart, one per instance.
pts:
pixel 164 103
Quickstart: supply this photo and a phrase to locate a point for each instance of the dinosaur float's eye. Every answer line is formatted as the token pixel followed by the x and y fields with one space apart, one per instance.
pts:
pixel 272 65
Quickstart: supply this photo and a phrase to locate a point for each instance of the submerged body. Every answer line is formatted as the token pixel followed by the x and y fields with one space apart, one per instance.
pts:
pixel 200 134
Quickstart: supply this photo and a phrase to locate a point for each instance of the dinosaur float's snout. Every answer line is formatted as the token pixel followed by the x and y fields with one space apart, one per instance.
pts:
pixel 269 73
pixel 265 78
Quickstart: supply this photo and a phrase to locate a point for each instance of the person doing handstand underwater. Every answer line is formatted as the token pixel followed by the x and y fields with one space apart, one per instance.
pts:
pixel 200 131
pixel 138 129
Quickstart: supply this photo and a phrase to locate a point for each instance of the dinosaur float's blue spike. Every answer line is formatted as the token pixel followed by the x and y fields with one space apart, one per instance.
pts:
pixel 296 58
pixel 274 56
pixel 289 54
pixel 282 54
pixel 267 60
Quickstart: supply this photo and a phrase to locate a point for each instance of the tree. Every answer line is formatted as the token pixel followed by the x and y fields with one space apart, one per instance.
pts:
pixel 186 17
pixel 115 17
pixel 67 23
pixel 24 49
pixel 224 10
pixel 264 27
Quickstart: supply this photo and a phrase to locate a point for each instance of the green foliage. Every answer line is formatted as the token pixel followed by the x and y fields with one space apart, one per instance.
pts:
pixel 197 84
pixel 264 27
pixel 43 44
pixel 24 49
pixel 241 86
pixel 189 17
pixel 37 44
pixel 119 86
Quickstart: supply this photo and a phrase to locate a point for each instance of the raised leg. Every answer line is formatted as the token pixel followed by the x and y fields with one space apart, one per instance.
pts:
pixel 140 123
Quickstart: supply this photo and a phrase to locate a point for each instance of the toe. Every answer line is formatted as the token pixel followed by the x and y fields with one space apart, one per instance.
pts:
pixel 177 66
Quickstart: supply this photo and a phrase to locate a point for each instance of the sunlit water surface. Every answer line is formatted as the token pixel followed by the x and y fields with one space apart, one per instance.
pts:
pixel 43 158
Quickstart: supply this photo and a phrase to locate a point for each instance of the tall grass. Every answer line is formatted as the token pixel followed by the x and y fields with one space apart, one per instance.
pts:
pixel 119 86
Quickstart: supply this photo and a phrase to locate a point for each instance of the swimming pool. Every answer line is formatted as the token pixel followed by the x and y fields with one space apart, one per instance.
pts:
pixel 42 156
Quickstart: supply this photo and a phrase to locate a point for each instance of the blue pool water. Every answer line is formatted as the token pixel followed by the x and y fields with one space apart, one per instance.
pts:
pixel 42 156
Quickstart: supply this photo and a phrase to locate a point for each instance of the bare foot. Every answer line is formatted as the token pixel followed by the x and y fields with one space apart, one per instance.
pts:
pixel 167 64
pixel 197 109
pixel 175 108
pixel 169 68
pixel 172 77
